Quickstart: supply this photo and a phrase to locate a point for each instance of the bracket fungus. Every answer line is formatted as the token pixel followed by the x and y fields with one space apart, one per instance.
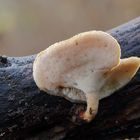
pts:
pixel 84 68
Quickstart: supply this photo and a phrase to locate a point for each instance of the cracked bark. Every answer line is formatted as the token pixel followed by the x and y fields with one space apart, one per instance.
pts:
pixel 26 112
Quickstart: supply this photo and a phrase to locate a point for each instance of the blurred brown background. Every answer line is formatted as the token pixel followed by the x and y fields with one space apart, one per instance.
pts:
pixel 28 26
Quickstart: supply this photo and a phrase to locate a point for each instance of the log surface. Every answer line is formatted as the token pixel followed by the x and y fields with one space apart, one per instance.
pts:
pixel 25 110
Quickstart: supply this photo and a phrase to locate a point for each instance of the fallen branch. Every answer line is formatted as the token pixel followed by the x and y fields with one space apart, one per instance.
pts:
pixel 25 110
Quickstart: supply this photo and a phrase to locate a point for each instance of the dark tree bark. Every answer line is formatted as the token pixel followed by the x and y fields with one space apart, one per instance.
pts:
pixel 25 110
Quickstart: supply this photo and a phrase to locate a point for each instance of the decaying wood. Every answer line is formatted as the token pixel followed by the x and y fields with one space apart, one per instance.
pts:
pixel 25 110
